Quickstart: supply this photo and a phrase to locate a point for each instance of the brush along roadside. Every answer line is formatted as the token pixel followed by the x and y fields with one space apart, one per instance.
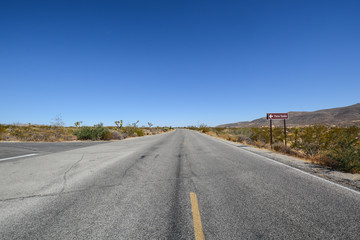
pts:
pixel 330 146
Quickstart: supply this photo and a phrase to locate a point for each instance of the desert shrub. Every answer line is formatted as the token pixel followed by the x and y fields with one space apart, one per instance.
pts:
pixel 217 130
pixel 116 135
pixel 83 133
pixel 280 147
pixel 336 147
pixel 278 135
pixel 192 128
pixel 204 128
pixel 139 132
pixel 2 129
pixel 59 131
pixel 293 136
pixel 98 132
pixel 345 149
pixel 260 135
pixel 312 140
pixel 240 131
pixel 260 144
pixel 129 131
pixel 125 135
pixel 244 139
pixel 325 160
pixel 232 138
pixel 17 132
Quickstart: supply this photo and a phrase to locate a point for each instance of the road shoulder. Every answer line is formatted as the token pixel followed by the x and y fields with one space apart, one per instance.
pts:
pixel 345 179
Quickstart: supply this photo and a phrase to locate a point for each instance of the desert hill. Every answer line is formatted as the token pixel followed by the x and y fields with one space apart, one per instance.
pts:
pixel 342 116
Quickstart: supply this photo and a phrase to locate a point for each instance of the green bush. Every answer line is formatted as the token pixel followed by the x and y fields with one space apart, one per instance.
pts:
pixel 83 133
pixel 139 132
pixel 98 132
pixel 129 131
pixel 278 135
pixel 345 149
pixel 313 140
pixel 260 135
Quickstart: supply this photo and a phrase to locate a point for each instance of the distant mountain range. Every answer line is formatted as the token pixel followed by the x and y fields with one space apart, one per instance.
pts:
pixel 342 116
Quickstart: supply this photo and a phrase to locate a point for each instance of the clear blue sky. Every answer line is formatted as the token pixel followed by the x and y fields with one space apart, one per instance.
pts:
pixel 175 63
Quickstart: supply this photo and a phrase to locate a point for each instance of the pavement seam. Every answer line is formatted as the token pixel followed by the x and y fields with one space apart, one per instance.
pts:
pixel 67 171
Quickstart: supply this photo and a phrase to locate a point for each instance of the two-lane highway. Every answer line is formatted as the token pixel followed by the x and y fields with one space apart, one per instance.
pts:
pixel 178 185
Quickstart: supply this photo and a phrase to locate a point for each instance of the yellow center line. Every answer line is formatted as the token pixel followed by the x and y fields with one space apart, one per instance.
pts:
pixel 199 234
pixel 184 142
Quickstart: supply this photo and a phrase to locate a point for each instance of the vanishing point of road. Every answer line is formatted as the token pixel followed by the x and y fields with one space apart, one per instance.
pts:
pixel 177 185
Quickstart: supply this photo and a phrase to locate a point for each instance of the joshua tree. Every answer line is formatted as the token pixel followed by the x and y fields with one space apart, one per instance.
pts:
pixel 77 124
pixel 150 124
pixel 135 124
pixel 119 124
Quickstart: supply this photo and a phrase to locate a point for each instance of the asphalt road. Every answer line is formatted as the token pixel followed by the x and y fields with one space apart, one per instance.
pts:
pixel 15 150
pixel 169 186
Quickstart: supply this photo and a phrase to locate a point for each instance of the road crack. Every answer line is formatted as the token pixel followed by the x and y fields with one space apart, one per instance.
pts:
pixel 67 171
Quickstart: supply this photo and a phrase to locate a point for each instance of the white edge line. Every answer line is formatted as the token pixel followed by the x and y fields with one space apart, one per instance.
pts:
pixel 283 164
pixel 22 156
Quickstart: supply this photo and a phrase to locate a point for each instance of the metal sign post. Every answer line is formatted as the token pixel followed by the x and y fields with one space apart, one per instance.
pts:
pixel 276 116
pixel 285 131
pixel 271 138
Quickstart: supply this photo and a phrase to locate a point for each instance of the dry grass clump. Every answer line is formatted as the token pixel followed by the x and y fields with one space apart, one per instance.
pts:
pixel 117 136
pixel 325 160
pixel 280 147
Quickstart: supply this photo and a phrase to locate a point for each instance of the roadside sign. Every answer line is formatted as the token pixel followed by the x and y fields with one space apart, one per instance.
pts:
pixel 277 116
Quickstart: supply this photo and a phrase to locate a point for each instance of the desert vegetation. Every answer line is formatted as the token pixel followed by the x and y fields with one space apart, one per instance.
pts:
pixel 29 132
pixel 332 146
pixel 57 132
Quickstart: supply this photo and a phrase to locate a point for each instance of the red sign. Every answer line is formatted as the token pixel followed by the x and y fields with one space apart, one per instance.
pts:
pixel 277 116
